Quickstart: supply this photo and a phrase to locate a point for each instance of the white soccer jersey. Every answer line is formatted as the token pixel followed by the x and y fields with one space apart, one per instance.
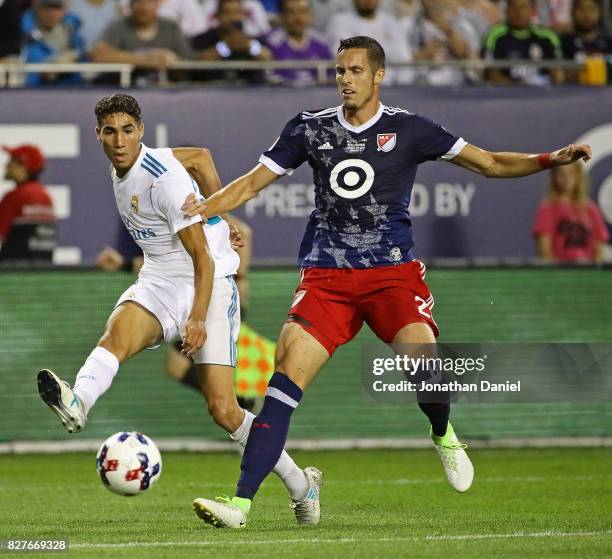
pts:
pixel 149 199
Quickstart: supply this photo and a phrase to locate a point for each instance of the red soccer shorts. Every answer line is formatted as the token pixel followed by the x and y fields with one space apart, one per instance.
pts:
pixel 332 304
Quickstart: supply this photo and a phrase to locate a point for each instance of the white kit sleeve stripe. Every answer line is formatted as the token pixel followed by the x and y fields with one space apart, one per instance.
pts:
pixel 455 150
pixel 273 166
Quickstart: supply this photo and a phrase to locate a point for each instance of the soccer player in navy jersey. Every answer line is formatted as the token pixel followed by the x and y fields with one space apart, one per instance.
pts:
pixel 356 254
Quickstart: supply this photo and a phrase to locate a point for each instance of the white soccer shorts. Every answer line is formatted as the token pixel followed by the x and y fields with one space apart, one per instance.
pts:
pixel 170 299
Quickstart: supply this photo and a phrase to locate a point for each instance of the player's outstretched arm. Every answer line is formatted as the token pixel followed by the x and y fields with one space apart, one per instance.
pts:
pixel 505 164
pixel 233 195
pixel 201 166
pixel 194 241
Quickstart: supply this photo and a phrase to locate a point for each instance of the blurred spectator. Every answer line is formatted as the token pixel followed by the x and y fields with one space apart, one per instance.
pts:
pixel 27 221
pixel 568 225
pixel 127 256
pixel 439 33
pixel 554 14
pixel 229 41
pixel 407 8
pixel 187 13
pixel 323 10
pixel 10 32
pixel 519 39
pixel 111 260
pixel 255 21
pixel 482 14
pixel 52 35
pixel 142 39
pixel 588 37
pixel 366 18
pixel 295 39
pixel 95 16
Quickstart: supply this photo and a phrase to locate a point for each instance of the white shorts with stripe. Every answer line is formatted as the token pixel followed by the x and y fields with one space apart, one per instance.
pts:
pixel 170 299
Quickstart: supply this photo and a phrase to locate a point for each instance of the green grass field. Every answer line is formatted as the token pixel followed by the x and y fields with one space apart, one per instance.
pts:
pixel 527 503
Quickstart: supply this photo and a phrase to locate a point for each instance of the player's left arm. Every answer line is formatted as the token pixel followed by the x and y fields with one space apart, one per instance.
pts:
pixel 506 164
pixel 194 241
pixel 201 166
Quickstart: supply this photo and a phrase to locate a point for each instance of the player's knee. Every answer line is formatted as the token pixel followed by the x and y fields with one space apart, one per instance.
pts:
pixel 116 344
pixel 226 414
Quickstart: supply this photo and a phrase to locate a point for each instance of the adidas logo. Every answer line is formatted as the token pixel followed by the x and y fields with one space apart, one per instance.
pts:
pixel 326 145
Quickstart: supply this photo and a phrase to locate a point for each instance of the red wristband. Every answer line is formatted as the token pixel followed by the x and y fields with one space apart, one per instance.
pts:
pixel 544 161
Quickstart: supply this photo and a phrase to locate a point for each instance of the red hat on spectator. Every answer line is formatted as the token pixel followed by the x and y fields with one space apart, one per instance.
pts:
pixel 28 155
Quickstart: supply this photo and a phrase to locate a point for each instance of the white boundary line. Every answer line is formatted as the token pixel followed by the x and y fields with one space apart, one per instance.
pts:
pixel 442 537
pixel 349 483
pixel 201 445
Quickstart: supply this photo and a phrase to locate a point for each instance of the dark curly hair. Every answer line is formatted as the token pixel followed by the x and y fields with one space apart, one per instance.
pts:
pixel 376 54
pixel 118 103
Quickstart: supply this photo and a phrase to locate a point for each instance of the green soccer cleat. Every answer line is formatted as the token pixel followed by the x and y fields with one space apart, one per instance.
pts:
pixel 457 465
pixel 223 512
pixel 58 395
pixel 308 510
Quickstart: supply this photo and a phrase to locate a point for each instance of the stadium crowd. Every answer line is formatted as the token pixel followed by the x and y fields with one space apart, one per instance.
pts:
pixel 153 34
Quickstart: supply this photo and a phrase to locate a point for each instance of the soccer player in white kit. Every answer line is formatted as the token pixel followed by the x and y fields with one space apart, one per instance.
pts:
pixel 185 288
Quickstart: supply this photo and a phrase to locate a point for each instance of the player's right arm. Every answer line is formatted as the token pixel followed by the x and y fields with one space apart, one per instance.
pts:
pixel 234 195
pixel 285 155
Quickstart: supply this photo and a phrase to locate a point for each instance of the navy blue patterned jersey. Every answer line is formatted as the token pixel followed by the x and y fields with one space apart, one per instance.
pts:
pixel 363 178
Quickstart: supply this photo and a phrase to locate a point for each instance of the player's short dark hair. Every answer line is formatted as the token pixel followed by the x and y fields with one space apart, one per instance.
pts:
pixel 376 54
pixel 118 103
pixel 222 3
pixel 282 5
pixel 575 4
pixel 532 2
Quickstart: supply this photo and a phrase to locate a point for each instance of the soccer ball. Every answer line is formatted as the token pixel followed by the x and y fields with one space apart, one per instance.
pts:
pixel 128 463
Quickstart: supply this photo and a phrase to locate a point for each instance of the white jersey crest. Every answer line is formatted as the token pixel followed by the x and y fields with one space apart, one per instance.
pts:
pixel 149 199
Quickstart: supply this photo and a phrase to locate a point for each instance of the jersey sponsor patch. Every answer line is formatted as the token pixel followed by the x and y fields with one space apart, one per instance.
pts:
pixel 386 142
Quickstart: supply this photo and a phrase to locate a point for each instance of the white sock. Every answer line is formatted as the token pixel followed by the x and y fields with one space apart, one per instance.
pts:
pixel 291 475
pixel 95 376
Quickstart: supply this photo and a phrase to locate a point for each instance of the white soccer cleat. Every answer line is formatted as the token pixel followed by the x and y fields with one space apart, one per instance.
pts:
pixel 308 509
pixel 457 465
pixel 58 395
pixel 220 513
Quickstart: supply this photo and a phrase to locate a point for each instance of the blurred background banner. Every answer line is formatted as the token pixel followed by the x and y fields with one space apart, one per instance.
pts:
pixel 53 318
pixel 456 213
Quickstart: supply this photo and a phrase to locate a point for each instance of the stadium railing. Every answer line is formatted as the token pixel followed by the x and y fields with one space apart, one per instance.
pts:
pixel 13 74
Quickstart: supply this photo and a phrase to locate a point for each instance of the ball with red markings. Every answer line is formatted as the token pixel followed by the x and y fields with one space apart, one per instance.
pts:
pixel 128 463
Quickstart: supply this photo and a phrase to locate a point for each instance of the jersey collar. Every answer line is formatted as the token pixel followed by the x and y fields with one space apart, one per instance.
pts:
pixel 365 125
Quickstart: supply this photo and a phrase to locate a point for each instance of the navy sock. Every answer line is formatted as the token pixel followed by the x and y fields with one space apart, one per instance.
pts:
pixel 268 434
pixel 438 414
pixel 435 405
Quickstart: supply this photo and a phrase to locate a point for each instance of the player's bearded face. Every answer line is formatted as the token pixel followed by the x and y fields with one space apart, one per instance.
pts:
pixel 120 135
pixel 355 78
